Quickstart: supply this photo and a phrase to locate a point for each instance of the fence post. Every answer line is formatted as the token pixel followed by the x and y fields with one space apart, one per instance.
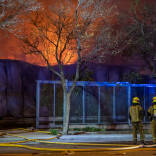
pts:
pixel 129 101
pixel 83 106
pixel 54 105
pixel 99 105
pixel 114 102
pixel 144 101
pixel 37 103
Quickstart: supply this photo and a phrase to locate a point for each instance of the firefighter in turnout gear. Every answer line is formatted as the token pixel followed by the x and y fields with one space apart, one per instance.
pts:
pixel 136 115
pixel 152 116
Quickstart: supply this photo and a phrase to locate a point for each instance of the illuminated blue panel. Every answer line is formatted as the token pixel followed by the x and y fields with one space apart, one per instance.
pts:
pixel 96 83
pixel 87 83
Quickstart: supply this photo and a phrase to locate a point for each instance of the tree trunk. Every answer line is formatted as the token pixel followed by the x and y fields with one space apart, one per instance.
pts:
pixel 66 112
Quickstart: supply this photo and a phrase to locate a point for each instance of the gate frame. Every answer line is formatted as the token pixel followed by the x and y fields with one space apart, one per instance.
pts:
pixel 89 83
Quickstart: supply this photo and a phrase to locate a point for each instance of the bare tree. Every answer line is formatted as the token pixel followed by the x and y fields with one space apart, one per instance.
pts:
pixel 134 33
pixel 10 10
pixel 61 33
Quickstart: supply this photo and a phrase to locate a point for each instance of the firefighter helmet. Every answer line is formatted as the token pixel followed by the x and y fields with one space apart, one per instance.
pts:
pixel 136 100
pixel 154 99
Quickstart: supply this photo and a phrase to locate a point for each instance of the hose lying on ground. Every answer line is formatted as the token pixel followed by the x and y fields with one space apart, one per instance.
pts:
pixel 74 150
pixel 14 144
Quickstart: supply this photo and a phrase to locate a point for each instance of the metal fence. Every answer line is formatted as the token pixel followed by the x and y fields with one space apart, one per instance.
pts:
pixel 91 102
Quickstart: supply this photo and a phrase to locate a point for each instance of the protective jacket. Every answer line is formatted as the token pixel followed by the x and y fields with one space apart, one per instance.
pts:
pixel 136 113
pixel 152 112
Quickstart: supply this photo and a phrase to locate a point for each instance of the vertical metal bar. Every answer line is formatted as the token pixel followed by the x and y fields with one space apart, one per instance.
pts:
pixel 114 103
pixel 99 106
pixel 129 102
pixel 144 100
pixel 144 97
pixel 83 106
pixel 37 104
pixel 54 104
pixel 149 94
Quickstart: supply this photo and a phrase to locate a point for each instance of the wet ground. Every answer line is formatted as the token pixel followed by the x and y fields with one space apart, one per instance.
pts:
pixel 66 149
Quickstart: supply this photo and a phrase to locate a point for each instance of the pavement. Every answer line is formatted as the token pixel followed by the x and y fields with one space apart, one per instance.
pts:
pixel 92 137
pixel 40 148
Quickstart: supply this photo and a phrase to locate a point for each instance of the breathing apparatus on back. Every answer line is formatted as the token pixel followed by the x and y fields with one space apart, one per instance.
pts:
pixel 154 106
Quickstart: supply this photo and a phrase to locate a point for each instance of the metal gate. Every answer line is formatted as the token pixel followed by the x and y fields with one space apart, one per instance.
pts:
pixel 91 102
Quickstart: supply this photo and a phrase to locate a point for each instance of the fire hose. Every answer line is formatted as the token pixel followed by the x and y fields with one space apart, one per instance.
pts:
pixel 114 147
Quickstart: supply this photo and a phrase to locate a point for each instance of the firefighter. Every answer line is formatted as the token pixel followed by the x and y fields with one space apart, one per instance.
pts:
pixel 136 114
pixel 152 116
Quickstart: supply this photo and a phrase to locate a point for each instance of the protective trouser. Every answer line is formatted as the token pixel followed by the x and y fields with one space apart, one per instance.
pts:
pixel 153 126
pixel 137 126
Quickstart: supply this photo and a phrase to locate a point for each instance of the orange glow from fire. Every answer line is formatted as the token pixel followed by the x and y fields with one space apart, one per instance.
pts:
pixel 10 46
